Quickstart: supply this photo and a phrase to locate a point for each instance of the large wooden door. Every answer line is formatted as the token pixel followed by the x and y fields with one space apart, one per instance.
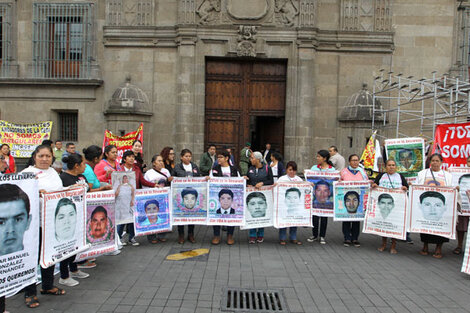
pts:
pixel 240 91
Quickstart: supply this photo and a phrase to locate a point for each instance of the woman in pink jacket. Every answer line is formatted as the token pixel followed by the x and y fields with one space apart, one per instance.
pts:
pixel 107 165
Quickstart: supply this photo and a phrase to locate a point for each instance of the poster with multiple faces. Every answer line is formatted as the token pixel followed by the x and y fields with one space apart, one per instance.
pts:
pixel 259 207
pixel 189 202
pixel 152 211
pixel 350 200
pixel 433 210
pixel 63 225
pixel 461 178
pixel 124 186
pixel 19 229
pixel 322 200
pixel 292 204
pixel 226 203
pixel 387 213
pixel 409 155
pixel 100 225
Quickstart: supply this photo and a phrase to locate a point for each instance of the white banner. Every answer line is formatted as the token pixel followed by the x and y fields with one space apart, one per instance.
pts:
pixel 351 199
pixel 63 225
pixel 19 229
pixel 100 225
pixel 387 213
pixel 433 210
pixel 322 204
pixel 189 197
pixel 124 186
pixel 152 211
pixel 466 257
pixel 226 202
pixel 292 204
pixel 461 178
pixel 259 207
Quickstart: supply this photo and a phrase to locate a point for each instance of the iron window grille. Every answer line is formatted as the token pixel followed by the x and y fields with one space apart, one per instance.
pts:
pixel 5 39
pixel 68 126
pixel 62 40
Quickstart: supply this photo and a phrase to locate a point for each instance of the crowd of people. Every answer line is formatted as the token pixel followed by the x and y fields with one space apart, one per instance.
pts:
pixel 57 168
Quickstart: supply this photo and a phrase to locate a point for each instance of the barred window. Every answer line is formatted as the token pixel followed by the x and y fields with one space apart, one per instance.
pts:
pixel 68 126
pixel 5 38
pixel 62 40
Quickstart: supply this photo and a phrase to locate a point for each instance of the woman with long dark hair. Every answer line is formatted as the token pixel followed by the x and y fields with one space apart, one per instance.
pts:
pixel 108 164
pixel 168 156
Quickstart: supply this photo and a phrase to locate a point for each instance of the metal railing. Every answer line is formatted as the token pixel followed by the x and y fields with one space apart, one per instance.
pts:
pixel 62 40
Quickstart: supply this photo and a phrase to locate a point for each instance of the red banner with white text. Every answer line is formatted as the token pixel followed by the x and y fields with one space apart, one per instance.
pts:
pixel 452 141
pixel 123 143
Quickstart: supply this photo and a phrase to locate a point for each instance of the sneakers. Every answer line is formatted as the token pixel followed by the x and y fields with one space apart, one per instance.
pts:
pixel 312 239
pixel 79 274
pixel 252 240
pixel 134 242
pixel 356 243
pixel 259 239
pixel 70 282
pixel 347 243
pixel 322 241
pixel 87 264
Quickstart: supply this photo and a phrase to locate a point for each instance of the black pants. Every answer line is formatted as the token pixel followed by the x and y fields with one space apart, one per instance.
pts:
pixel 230 230
pixel 2 304
pixel 65 265
pixel 323 221
pixel 190 230
pixel 351 230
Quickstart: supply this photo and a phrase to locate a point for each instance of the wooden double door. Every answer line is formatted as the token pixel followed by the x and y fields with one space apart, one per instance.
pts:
pixel 245 101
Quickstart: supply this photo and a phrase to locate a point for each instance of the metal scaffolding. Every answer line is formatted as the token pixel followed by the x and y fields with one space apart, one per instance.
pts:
pixel 404 106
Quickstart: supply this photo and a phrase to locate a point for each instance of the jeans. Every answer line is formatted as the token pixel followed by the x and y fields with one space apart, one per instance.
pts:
pixel 292 233
pixel 230 230
pixel 351 230
pixel 256 232
pixel 323 221
pixel 64 267
pixel 190 230
pixel 129 229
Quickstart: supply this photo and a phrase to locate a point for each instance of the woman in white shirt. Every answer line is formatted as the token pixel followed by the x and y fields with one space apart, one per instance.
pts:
pixel 291 176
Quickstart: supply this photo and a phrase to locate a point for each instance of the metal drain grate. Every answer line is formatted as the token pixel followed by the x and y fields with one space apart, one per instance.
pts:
pixel 253 300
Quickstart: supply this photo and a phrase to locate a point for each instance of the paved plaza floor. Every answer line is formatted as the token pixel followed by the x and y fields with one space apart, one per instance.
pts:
pixel 313 277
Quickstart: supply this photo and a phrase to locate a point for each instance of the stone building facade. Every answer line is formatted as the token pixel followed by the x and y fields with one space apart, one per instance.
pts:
pixel 68 58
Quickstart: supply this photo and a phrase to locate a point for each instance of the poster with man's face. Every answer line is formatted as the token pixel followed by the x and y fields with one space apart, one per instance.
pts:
pixel 408 154
pixel 461 178
pixel 387 213
pixel 226 205
pixel 64 225
pixel 292 204
pixel 259 207
pixel 322 204
pixel 124 186
pixel 100 225
pixel 152 214
pixel 350 200
pixel 19 227
pixel 433 210
pixel 189 200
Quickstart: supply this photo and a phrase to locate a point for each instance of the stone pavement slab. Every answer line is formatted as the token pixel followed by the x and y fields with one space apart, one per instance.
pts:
pixel 313 277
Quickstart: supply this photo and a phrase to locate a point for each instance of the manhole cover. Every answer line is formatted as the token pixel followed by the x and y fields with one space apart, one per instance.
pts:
pixel 253 300
pixel 178 254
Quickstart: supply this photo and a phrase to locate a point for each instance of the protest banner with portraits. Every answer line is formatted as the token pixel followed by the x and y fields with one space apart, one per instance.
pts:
pixel 292 204
pixel 259 207
pixel 433 210
pixel 19 228
pixel 189 200
pixel 226 201
pixel 409 155
pixel 63 225
pixel 322 201
pixel 461 178
pixel 466 258
pixel 152 211
pixel 100 225
pixel 350 200
pixel 387 213
pixel 124 186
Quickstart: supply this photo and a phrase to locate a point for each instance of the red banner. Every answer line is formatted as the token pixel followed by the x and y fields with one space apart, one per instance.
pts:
pixel 452 141
pixel 123 143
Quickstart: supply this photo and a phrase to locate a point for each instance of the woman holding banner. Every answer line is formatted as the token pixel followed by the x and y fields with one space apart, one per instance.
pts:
pixel 392 180
pixel 139 159
pixel 186 168
pixel 48 181
pixel 9 159
pixel 434 176
pixel 259 174
pixel 323 165
pixel 108 164
pixel 168 156
pixel 93 156
pixel 223 169
pixel 352 173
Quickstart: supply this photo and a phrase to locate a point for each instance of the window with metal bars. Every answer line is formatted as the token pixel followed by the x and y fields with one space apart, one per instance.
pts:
pixel 62 40
pixel 5 38
pixel 68 126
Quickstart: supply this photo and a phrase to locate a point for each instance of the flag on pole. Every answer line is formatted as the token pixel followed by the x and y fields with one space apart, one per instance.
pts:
pixel 368 156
